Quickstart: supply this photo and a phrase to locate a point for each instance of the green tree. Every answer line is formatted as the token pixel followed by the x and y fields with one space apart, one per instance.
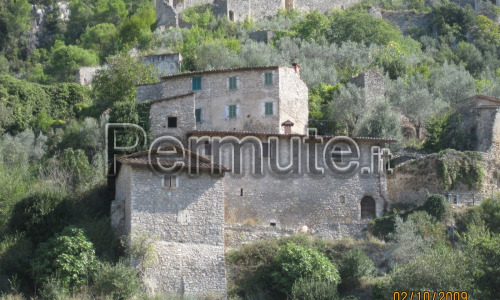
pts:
pixel 348 108
pixel 69 257
pixel 101 38
pixel 435 205
pixel 14 20
pixel 117 83
pixel 380 122
pixel 293 262
pixel 487 30
pixel 312 28
pixel 354 266
pixel 65 60
pixel 360 26
pixel 137 28
pixel 110 11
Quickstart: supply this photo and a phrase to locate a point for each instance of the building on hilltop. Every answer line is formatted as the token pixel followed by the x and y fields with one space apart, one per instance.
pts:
pixel 271 177
pixel 163 64
pixel 168 12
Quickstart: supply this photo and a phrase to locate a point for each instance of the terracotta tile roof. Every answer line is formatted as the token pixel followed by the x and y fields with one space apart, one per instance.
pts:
pixel 266 134
pixel 198 161
pixel 238 69
pixel 172 98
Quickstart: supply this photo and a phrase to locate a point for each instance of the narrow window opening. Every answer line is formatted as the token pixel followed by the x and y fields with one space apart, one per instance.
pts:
pixel 231 16
pixel 455 200
pixel 269 78
pixel 196 83
pixel 241 192
pixel 233 83
pixel 170 181
pixel 172 122
pixel 198 115
pixel 342 199
pixel 268 109
pixel 232 111
pixel 272 224
pixel 208 148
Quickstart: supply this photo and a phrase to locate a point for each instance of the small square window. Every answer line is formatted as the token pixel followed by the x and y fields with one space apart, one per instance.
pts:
pixel 269 78
pixel 268 108
pixel 197 83
pixel 172 122
pixel 170 181
pixel 232 111
pixel 233 83
pixel 197 113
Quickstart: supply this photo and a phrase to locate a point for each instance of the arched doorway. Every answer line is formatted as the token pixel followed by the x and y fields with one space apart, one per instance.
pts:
pixel 368 208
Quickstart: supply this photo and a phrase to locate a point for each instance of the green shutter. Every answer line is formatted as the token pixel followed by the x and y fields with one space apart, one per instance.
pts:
pixel 269 78
pixel 269 109
pixel 196 83
pixel 232 83
pixel 232 111
pixel 198 115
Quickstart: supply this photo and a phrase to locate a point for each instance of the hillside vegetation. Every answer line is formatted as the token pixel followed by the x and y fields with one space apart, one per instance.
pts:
pixel 55 235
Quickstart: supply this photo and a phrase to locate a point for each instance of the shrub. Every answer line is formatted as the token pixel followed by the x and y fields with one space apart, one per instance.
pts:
pixel 382 291
pixel 307 288
pixel 435 205
pixel 440 269
pixel 69 256
pixel 406 244
pixel 354 266
pixel 293 262
pixel 53 289
pixel 40 214
pixel 119 281
pixel 382 227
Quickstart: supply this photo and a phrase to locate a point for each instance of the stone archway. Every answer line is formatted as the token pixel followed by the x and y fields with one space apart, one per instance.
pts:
pixel 368 208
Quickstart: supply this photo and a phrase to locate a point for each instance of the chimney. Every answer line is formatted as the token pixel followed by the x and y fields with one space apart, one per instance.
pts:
pixel 288 126
pixel 296 66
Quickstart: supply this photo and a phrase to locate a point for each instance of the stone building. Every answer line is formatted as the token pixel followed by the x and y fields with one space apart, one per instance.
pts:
pixel 373 84
pixel 277 178
pixel 257 99
pixel 480 122
pixel 184 214
pixel 168 12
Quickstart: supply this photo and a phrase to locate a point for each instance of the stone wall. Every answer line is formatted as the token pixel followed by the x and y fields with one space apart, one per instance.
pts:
pixel 182 108
pixel 293 104
pixel 164 64
pixel 373 84
pixel 168 11
pixel 85 75
pixel 288 94
pixel 328 205
pixel 407 19
pixel 188 222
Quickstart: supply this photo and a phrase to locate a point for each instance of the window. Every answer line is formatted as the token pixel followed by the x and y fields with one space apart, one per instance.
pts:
pixel 170 181
pixel 232 112
pixel 197 113
pixel 342 199
pixel 241 192
pixel 231 15
pixel 208 148
pixel 233 83
pixel 267 150
pixel 268 109
pixel 172 122
pixel 197 83
pixel 269 78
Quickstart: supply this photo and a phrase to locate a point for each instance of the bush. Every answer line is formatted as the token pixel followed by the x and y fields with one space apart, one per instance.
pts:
pixel 382 291
pixel 41 214
pixel 382 227
pixel 354 266
pixel 293 262
pixel 435 205
pixel 69 257
pixel 118 281
pixel 440 269
pixel 307 289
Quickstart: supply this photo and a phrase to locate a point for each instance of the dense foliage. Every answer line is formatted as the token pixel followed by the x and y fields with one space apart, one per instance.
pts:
pixel 55 234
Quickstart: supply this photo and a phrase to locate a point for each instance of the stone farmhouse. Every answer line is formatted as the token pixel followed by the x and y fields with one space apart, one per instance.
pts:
pixel 230 118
